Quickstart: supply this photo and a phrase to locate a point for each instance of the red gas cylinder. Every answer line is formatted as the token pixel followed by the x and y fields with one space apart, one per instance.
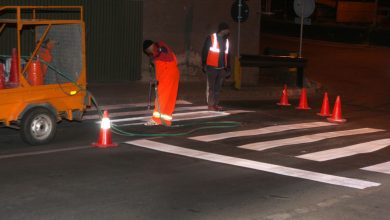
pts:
pixel 2 76
pixel 34 72
pixel 14 72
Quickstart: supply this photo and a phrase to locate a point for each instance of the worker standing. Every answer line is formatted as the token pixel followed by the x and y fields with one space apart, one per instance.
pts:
pixel 216 64
pixel 164 63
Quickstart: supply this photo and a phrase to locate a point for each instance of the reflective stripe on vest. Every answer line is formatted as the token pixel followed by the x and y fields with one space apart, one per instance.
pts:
pixel 214 51
pixel 163 116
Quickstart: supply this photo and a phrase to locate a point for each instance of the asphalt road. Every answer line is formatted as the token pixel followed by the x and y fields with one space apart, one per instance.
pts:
pixel 268 168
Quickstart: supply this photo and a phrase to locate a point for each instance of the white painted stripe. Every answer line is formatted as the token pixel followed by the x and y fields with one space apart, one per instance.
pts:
pixel 181 117
pixel 132 105
pixel 361 148
pixel 42 152
pixel 266 167
pixel 177 117
pixel 380 168
pixel 260 146
pixel 260 131
pixel 140 112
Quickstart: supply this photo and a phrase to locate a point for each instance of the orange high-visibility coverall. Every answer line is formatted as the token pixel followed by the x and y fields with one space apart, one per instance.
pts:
pixel 167 76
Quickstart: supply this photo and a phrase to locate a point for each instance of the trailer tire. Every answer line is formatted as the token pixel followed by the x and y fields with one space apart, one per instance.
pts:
pixel 38 126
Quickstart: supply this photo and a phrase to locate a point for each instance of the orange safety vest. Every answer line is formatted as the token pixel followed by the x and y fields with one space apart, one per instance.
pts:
pixel 214 51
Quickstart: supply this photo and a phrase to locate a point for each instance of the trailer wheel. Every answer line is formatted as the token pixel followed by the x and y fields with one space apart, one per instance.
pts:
pixel 38 126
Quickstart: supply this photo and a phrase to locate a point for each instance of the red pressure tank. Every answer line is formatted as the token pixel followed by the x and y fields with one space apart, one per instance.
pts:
pixel 34 73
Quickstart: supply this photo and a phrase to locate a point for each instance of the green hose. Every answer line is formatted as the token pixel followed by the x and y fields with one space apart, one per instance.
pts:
pixel 118 131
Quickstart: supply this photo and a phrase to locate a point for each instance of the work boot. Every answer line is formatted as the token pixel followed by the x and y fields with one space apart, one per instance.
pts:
pixel 219 108
pixel 212 108
pixel 151 122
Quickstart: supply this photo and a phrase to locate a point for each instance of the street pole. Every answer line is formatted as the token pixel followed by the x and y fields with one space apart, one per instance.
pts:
pixel 237 65
pixel 239 27
pixel 301 34
pixel 259 11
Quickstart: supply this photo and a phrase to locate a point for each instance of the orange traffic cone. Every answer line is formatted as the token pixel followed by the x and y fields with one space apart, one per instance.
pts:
pixel 284 97
pixel 336 116
pixel 303 101
pixel 2 76
pixel 34 71
pixel 105 133
pixel 325 111
pixel 14 72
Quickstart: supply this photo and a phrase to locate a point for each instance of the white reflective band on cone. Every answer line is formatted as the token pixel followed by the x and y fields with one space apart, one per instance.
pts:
pixel 106 124
pixel 163 116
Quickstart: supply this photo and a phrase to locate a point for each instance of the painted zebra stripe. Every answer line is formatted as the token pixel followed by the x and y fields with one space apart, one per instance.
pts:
pixel 266 167
pixel 265 145
pixel 260 131
pixel 141 112
pixel 379 168
pixel 361 148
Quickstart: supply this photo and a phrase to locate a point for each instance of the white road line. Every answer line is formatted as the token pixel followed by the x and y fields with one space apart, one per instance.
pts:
pixel 42 152
pixel 140 112
pixel 361 148
pixel 260 131
pixel 380 168
pixel 176 117
pixel 132 105
pixel 266 167
pixel 265 145
pixel 180 117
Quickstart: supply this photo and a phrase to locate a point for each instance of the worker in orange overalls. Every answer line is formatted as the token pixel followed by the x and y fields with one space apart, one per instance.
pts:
pixel 164 64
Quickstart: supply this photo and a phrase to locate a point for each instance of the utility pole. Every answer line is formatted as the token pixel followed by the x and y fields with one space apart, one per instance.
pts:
pixel 239 27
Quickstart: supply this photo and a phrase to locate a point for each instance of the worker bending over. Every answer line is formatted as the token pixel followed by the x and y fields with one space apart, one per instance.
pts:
pixel 164 64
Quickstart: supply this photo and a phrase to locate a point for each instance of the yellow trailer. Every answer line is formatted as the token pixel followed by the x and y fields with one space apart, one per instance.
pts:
pixel 36 109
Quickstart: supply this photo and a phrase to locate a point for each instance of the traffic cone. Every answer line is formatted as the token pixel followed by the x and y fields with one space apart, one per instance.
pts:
pixel 14 71
pixel 34 72
pixel 325 111
pixel 303 101
pixel 284 97
pixel 105 140
pixel 336 116
pixel 2 76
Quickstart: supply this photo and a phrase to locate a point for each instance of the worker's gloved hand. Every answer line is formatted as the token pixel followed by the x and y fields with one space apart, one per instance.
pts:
pixel 204 68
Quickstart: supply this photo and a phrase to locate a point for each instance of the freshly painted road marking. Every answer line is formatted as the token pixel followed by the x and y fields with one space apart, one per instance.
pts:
pixel 265 145
pixel 42 152
pixel 140 112
pixel 266 167
pixel 361 148
pixel 380 168
pixel 178 117
pixel 132 105
pixel 260 131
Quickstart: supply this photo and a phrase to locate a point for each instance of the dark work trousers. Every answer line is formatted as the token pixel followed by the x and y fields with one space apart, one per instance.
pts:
pixel 215 79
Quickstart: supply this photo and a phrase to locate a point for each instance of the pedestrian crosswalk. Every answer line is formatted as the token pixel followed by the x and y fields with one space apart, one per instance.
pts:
pixel 137 113
pixel 309 137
